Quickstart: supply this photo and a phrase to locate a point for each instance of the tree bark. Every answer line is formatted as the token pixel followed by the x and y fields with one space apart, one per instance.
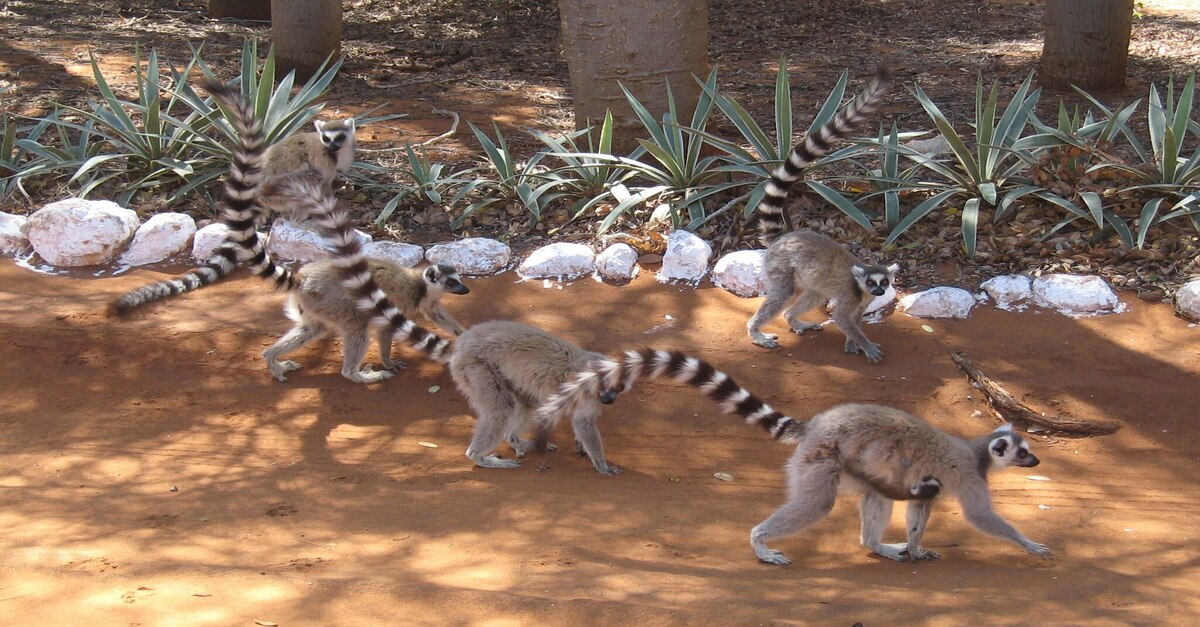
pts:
pixel 641 44
pixel 1086 43
pixel 305 33
pixel 257 10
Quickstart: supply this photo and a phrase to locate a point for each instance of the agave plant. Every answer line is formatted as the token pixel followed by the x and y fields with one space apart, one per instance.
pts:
pixel 989 173
pixel 152 147
pixel 525 183
pixel 888 180
pixel 428 178
pixel 1165 171
pixel 23 157
pixel 679 179
pixel 591 174
pixel 768 153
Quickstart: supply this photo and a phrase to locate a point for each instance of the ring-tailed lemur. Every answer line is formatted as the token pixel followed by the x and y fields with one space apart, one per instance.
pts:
pixel 804 269
pixel 321 303
pixel 353 268
pixel 885 453
pixel 318 156
pixel 506 370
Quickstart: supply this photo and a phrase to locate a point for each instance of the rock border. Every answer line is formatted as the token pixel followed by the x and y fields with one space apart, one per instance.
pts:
pixel 687 260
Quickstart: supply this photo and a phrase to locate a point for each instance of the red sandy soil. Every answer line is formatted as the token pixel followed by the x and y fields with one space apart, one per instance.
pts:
pixel 154 473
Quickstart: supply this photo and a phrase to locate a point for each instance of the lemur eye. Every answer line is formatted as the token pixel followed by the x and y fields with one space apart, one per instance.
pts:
pixel 884 282
pixel 870 281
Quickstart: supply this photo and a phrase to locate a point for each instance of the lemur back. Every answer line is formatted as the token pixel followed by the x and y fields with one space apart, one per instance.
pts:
pixel 506 370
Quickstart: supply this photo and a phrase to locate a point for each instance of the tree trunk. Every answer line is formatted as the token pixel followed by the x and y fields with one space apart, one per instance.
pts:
pixel 1086 43
pixel 643 44
pixel 305 33
pixel 257 10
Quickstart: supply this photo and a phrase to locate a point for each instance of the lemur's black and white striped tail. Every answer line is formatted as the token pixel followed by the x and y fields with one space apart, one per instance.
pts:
pixel 605 379
pixel 239 211
pixel 816 144
pixel 337 226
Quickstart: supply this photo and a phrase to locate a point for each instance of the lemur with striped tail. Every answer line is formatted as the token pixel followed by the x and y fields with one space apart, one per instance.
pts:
pixel 317 156
pixel 805 269
pixel 882 453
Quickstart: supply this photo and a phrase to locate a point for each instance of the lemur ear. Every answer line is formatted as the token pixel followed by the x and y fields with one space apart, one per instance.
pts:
pixel 431 274
pixel 1005 428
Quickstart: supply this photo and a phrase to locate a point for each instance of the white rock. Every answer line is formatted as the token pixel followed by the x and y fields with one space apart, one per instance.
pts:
pixel 742 272
pixel 407 255
pixel 300 241
pixel 617 263
pixel 161 236
pixel 686 258
pixel 12 234
pixel 1008 290
pixel 938 302
pixel 209 238
pixel 559 260
pixel 472 256
pixel 1075 296
pixel 1187 300
pixel 78 232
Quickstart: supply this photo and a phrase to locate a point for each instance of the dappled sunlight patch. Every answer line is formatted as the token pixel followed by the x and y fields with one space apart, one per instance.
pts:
pixel 353 444
pixel 470 559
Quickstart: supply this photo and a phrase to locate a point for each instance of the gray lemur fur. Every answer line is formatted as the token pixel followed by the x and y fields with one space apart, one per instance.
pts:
pixel 321 303
pixel 804 271
pixel 887 454
pixel 506 370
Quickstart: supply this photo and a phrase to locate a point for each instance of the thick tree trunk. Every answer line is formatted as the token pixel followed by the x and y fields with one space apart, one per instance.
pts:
pixel 305 33
pixel 642 44
pixel 1086 43
pixel 258 10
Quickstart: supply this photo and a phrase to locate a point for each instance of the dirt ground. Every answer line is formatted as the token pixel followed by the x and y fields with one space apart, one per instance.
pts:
pixel 154 473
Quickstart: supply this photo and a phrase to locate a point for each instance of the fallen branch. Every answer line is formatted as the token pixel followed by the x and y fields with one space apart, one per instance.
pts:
pixel 1012 409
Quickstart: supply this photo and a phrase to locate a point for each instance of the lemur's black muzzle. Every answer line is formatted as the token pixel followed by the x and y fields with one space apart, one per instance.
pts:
pixel 608 396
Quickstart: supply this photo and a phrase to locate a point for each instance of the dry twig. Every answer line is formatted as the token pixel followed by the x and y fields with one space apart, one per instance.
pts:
pixel 1012 409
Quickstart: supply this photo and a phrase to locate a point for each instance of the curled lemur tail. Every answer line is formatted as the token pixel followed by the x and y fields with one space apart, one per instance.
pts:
pixel 335 224
pixel 239 211
pixel 605 379
pixel 816 144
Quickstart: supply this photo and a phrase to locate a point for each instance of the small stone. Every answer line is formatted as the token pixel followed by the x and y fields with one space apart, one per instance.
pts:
pixel 78 232
pixel 742 273
pixel 1075 295
pixel 12 234
pixel 561 260
pixel 472 256
pixel 407 255
pixel 686 258
pixel 618 262
pixel 938 302
pixel 159 237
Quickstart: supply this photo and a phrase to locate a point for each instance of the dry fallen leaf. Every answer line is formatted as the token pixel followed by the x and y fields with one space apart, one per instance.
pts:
pixel 723 476
pixel 434 389
pixel 926 328
pixel 428 444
